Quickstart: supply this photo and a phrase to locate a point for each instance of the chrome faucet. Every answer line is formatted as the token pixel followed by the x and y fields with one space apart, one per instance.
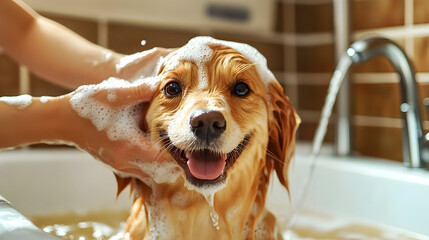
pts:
pixel 415 147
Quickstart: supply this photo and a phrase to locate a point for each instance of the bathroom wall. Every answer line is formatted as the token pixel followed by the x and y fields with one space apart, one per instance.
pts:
pixel 377 123
pixel 375 90
pixel 301 53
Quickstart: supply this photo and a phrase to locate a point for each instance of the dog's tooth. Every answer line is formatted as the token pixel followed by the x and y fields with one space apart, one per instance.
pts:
pixel 187 155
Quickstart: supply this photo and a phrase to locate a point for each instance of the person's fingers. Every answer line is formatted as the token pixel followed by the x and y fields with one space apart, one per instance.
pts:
pixel 165 51
pixel 130 62
pixel 141 63
pixel 132 94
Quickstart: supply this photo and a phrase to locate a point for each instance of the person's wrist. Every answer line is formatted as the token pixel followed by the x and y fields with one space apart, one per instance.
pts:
pixel 64 119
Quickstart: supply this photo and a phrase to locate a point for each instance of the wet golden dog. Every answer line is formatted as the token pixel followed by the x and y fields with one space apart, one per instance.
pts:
pixel 225 137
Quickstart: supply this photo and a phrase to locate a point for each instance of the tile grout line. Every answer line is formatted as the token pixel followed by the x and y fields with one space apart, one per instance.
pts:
pixel 102 33
pixel 24 80
pixel 294 94
pixel 396 32
pixel 306 2
pixel 322 78
pixel 308 39
pixel 312 116
pixel 373 121
pixel 408 22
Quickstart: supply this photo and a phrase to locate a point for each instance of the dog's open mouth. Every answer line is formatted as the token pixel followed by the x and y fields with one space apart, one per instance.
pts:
pixel 204 166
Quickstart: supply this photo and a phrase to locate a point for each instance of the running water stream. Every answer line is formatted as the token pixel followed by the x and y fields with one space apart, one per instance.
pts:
pixel 337 78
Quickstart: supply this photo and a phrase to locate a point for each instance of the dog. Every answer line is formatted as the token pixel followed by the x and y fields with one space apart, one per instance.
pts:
pixel 223 123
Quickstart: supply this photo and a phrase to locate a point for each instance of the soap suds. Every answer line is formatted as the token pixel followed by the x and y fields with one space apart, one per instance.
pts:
pixel 161 172
pixel 111 96
pixel 119 123
pixel 22 101
pixel 45 99
pixel 198 51
pixel 180 200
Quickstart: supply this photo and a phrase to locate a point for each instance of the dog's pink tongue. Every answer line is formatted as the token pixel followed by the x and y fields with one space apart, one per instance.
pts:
pixel 206 165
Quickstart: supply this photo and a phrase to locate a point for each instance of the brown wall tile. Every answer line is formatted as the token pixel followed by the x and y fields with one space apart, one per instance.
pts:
pixel 378 142
pixel 9 76
pixel 127 38
pixel 307 130
pixel 379 100
pixel 291 91
pixel 368 14
pixel 84 27
pixel 286 20
pixel 424 93
pixel 281 79
pixel 278 21
pixel 311 97
pixel 421 11
pixel 421 54
pixel 40 87
pixel 377 64
pixel 290 59
pixel 315 58
pixel 314 18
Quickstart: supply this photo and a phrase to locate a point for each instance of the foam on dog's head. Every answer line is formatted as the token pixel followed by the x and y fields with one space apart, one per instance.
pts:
pixel 198 51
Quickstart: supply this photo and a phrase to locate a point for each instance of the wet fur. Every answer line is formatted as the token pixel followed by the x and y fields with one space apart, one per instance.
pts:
pixel 266 114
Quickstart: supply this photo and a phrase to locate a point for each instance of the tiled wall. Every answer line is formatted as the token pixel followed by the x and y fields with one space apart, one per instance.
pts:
pixel 301 53
pixel 375 94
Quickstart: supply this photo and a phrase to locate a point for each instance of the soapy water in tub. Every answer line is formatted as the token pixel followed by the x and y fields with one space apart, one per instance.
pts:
pixel 109 225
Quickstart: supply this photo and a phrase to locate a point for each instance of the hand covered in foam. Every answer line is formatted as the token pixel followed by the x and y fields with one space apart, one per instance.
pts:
pixel 107 118
pixel 141 63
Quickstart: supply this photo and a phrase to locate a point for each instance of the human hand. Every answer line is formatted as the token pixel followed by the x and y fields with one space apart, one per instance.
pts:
pixel 105 122
pixel 141 63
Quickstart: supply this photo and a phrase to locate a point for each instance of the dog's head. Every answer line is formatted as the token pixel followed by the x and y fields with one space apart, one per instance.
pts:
pixel 216 107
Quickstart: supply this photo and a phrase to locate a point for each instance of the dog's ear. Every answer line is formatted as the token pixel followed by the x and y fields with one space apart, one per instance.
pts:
pixel 283 123
pixel 122 184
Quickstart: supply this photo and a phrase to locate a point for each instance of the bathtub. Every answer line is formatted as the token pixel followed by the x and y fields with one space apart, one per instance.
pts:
pixel 39 182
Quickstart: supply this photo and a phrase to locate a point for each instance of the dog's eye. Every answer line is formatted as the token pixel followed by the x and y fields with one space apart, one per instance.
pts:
pixel 241 89
pixel 172 89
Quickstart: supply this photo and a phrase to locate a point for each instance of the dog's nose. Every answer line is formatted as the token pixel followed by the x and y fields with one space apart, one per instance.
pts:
pixel 207 125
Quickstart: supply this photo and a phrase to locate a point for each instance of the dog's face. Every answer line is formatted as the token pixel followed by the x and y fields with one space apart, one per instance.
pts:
pixel 206 119
pixel 206 128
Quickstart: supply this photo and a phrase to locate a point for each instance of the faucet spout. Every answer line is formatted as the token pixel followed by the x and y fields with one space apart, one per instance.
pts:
pixel 412 137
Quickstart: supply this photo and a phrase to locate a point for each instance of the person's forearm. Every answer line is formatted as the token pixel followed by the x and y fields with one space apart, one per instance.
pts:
pixel 35 123
pixel 51 50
